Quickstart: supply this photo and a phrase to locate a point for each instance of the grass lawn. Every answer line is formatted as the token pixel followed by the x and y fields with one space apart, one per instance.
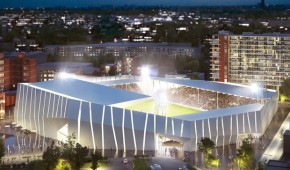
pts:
pixel 141 164
pixel 100 164
pixel 171 110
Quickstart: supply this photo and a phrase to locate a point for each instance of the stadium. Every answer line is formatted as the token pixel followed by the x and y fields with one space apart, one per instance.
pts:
pixel 141 115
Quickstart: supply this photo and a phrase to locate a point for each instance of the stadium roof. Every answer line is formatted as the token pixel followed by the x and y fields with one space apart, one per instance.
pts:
pixel 222 112
pixel 86 91
pixel 119 81
pixel 233 89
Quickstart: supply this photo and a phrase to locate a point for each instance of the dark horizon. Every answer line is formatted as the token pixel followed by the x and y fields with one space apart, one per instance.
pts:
pixel 124 3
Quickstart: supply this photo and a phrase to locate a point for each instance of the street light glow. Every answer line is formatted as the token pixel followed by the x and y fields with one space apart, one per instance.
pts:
pixel 255 87
pixel 145 72
pixel 162 99
pixel 64 75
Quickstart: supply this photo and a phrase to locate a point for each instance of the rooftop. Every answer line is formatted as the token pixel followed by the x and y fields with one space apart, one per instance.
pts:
pixel 91 92
pixel 134 44
pixel 64 65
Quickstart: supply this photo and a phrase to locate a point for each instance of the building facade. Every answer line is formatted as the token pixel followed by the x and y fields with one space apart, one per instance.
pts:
pixel 122 49
pixel 250 58
pixel 13 70
pixel 16 70
pixel 47 71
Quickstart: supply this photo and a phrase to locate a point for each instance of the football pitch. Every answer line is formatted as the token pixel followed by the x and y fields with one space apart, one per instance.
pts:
pixel 171 109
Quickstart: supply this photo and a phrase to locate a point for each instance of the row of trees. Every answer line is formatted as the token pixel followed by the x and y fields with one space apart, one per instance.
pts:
pixel 69 155
pixel 285 90
pixel 244 157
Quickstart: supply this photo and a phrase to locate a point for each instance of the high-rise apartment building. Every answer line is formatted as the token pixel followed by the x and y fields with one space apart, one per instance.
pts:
pixel 250 58
pixel 14 70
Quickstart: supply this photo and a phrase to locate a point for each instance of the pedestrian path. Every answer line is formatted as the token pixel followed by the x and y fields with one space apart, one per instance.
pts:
pixel 21 158
pixel 275 148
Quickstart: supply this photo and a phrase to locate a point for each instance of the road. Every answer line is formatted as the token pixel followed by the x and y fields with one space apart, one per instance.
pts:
pixel 275 149
pixel 167 163
pixel 116 164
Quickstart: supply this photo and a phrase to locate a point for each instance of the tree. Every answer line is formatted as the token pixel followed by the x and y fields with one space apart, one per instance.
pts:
pixel 112 71
pixel 95 158
pixel 285 90
pixel 9 36
pixel 205 146
pixel 50 156
pixel 36 165
pixel 245 154
pixel 74 153
pixel 80 154
pixel 261 165
pixel 68 148
pixel 62 165
pixel 2 148
pixel 212 160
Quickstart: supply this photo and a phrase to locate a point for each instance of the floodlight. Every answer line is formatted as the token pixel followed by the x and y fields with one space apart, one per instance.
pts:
pixel 163 97
pixel 145 72
pixel 255 87
pixel 63 75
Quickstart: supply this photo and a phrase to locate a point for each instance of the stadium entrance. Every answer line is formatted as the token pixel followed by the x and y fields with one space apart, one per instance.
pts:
pixel 170 148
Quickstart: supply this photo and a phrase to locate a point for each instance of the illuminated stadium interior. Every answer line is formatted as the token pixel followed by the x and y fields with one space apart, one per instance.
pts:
pixel 170 109
pixel 188 99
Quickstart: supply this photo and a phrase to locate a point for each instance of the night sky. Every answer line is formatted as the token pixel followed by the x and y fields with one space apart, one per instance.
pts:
pixel 96 3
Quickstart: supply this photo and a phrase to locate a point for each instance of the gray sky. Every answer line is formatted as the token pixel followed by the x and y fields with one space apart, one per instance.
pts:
pixel 86 3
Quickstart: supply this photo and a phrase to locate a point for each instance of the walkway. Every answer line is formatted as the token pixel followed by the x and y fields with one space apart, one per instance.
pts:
pixel 275 148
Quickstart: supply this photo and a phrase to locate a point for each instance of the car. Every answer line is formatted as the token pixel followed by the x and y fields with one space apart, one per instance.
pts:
pixel 183 168
pixel 155 167
pixel 125 161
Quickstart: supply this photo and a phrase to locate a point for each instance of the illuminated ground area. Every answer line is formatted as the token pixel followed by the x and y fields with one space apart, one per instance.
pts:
pixel 171 109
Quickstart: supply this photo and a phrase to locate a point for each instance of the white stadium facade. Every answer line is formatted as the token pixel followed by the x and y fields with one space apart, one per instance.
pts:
pixel 95 112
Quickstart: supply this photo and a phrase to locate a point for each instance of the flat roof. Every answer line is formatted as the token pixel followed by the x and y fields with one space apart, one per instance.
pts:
pixel 129 44
pixel 86 91
pixel 274 34
pixel 63 65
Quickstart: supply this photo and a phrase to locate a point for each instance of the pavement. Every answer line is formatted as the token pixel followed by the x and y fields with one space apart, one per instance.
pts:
pixel 275 148
pixel 167 163
pixel 117 164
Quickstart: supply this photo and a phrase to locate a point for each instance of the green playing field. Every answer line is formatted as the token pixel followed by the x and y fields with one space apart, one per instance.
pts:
pixel 171 110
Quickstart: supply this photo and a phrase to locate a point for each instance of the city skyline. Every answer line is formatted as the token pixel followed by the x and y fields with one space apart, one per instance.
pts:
pixel 96 3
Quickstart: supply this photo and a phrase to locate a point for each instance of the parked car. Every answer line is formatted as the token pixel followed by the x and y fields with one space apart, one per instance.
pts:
pixel 155 167
pixel 125 161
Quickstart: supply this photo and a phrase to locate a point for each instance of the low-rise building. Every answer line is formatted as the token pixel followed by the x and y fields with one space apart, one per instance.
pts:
pixel 47 71
pixel 122 49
